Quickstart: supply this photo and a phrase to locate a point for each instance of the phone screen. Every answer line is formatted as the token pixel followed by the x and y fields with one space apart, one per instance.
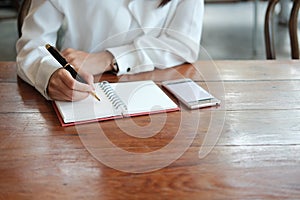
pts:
pixel 190 93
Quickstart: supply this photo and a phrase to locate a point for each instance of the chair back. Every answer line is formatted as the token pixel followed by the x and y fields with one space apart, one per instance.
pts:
pixel 293 29
pixel 268 30
pixel 23 11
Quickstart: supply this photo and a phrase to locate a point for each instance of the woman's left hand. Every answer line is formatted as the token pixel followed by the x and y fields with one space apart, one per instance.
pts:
pixel 93 63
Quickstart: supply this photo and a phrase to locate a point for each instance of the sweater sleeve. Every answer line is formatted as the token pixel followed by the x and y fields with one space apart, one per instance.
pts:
pixel 34 64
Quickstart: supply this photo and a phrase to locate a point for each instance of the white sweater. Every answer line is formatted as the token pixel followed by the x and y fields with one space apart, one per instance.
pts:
pixel 140 35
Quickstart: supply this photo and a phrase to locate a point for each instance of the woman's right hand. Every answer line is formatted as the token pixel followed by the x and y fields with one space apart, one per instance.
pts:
pixel 62 86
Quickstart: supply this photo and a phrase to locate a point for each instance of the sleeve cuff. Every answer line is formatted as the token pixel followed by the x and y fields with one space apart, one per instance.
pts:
pixel 48 67
pixel 128 59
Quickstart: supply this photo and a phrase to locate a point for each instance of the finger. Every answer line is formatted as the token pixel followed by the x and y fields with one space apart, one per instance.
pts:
pixel 76 96
pixel 72 84
pixel 69 95
pixel 69 55
pixel 86 76
pixel 58 90
pixel 67 52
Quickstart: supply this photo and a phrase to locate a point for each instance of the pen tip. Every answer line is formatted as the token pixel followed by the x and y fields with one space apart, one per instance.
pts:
pixel 98 98
pixel 95 95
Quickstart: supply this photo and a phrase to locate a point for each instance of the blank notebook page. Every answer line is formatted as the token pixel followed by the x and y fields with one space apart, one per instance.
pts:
pixel 86 109
pixel 143 96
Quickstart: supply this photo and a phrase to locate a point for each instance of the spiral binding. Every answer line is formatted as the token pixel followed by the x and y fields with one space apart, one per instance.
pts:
pixel 112 96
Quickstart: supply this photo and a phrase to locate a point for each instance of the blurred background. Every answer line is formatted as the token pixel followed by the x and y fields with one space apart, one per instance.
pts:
pixel 232 29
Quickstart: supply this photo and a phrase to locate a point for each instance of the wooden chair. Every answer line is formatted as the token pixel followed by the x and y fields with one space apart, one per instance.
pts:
pixel 25 5
pixel 269 33
pixel 293 29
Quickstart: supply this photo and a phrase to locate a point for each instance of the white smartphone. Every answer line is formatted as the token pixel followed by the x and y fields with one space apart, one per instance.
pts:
pixel 190 93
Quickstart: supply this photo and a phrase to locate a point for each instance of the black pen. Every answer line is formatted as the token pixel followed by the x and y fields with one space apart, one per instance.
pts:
pixel 67 66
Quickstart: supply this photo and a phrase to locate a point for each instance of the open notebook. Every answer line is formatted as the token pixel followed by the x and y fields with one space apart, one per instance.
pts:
pixel 118 100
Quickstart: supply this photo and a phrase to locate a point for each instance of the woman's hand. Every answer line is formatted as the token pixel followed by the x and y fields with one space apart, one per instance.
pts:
pixel 93 63
pixel 62 86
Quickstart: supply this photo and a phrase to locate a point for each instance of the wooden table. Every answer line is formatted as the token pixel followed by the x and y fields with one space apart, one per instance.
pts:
pixel 257 155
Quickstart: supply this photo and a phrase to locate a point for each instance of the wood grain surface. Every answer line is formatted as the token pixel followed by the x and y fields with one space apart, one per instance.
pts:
pixel 253 140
